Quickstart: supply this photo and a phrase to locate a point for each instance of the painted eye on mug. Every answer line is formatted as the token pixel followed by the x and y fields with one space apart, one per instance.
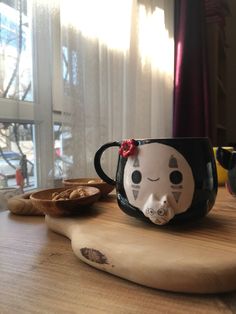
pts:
pixel 161 212
pixel 150 212
pixel 176 177
pixel 136 177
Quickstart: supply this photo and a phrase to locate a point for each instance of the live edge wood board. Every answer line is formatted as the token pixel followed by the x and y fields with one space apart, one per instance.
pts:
pixel 194 258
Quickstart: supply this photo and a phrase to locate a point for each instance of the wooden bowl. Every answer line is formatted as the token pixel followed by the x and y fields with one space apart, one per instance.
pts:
pixel 104 187
pixel 22 205
pixel 66 207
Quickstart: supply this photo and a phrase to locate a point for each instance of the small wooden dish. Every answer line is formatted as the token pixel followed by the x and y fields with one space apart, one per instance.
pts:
pixel 68 207
pixel 104 187
pixel 22 205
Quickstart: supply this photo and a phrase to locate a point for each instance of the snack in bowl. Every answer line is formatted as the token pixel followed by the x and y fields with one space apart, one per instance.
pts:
pixel 65 201
pixel 98 183
pixel 69 194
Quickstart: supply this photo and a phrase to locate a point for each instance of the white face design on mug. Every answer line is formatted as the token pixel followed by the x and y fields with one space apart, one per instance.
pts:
pixel 159 181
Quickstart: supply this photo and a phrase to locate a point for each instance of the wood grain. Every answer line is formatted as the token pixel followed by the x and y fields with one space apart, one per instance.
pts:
pixel 40 274
pixel 198 257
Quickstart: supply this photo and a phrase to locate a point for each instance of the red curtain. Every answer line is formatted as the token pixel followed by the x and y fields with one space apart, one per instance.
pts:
pixel 191 92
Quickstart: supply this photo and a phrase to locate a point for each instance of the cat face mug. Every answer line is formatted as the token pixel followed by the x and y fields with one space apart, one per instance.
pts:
pixel 163 180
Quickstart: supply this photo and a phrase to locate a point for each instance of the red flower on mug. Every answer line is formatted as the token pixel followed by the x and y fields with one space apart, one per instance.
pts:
pixel 127 148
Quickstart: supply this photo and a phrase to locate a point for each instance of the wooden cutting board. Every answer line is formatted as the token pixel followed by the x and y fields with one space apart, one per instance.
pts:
pixel 196 258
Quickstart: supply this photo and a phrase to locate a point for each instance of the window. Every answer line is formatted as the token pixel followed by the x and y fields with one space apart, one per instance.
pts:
pixel 25 93
pixel 15 53
pixel 16 140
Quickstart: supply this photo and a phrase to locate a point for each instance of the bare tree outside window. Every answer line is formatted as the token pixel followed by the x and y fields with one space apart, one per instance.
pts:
pixel 16 141
pixel 15 53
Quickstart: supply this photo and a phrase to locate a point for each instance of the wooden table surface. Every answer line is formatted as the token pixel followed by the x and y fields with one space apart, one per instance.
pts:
pixel 39 273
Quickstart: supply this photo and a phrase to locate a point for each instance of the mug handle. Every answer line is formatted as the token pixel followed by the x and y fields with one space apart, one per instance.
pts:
pixel 224 157
pixel 97 162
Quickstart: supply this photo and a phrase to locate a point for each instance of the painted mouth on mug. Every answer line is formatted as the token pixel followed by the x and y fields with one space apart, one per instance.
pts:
pixel 161 221
pixel 153 180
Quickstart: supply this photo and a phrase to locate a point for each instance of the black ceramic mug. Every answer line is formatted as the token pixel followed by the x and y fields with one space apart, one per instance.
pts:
pixel 227 159
pixel 163 180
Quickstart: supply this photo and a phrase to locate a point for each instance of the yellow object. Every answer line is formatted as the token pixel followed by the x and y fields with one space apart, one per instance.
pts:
pixel 221 172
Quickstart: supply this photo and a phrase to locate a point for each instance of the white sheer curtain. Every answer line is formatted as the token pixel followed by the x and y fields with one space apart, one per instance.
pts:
pixel 102 68
pixel 117 70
